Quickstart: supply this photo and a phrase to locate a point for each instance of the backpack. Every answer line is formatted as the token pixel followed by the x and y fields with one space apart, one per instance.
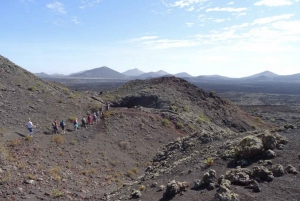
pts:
pixel 62 124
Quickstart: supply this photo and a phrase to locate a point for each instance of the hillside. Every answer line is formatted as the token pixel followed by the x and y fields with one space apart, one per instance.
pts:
pixel 102 72
pixel 118 154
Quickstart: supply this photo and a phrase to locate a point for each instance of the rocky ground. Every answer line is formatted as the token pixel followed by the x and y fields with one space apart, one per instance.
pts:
pixel 162 139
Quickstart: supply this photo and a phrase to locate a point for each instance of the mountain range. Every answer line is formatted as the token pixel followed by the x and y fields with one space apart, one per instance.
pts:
pixel 108 73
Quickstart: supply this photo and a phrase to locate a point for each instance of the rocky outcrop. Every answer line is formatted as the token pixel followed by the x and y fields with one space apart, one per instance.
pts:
pixel 291 169
pixel 174 188
pixel 249 147
pixel 269 141
pixel 208 180
pixel 277 170
pixel 262 173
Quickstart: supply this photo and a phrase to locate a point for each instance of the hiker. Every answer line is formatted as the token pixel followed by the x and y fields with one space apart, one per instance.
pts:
pixel 75 124
pixel 108 106
pixel 89 118
pixel 95 117
pixel 62 125
pixel 101 111
pixel 55 126
pixel 97 114
pixel 30 127
pixel 83 123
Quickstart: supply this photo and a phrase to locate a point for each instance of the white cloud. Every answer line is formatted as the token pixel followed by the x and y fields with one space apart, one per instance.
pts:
pixel 221 20
pixel 267 20
pixel 190 9
pixel 88 3
pixel 75 20
pixel 230 3
pixel 273 3
pixel 143 38
pixel 183 3
pixel 189 24
pixel 57 7
pixel 239 14
pixel 167 43
pixel 226 9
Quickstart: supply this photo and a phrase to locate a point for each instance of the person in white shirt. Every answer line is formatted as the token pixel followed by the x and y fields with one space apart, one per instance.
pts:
pixel 30 127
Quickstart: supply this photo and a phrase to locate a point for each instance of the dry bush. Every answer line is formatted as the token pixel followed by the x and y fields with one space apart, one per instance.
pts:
pixel 28 138
pixel 21 166
pixel 58 139
pixel 142 188
pixel 30 176
pixel 32 88
pixel 165 122
pixel 124 145
pixel 202 118
pixel 135 170
pixel 55 173
pixel 106 114
pixel 71 119
pixel 57 193
pixel 14 143
pixel 95 107
pixel 179 125
pixel 209 162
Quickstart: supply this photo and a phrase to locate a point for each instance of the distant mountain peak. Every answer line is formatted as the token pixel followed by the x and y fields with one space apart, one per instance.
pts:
pixel 133 72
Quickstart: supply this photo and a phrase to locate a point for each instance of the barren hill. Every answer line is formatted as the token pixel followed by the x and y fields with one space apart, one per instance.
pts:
pixel 157 130
pixel 184 103
pixel 101 72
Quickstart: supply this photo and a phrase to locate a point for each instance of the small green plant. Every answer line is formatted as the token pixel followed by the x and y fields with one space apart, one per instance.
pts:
pixel 28 138
pixel 32 88
pixel 142 188
pixel 174 108
pixel 71 119
pixel 179 125
pixel 106 114
pixel 209 162
pixel 135 170
pixel 186 109
pixel 202 118
pixel 58 139
pixel 30 176
pixel 57 193
pixel 165 122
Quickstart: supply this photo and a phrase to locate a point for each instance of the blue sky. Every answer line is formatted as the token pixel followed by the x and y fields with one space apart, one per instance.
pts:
pixel 201 37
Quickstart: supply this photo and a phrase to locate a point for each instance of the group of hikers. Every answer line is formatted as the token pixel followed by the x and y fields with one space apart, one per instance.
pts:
pixel 85 122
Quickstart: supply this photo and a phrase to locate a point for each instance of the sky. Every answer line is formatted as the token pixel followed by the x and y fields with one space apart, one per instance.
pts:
pixel 200 37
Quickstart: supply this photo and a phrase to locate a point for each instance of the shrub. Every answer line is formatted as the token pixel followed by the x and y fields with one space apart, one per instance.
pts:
pixel 30 176
pixel 14 143
pixel 179 125
pixel 71 119
pixel 32 88
pixel 57 193
pixel 209 162
pixel 106 114
pixel 186 109
pixel 58 139
pixel 142 188
pixel 55 173
pixel 73 142
pixel 165 122
pixel 95 107
pixel 135 170
pixel 28 138
pixel 21 166
pixel 202 118
pixel 124 145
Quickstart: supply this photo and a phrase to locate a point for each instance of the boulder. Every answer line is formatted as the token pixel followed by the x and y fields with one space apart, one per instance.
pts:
pixel 224 194
pixel 249 147
pixel 238 176
pixel 269 141
pixel 277 170
pixel 262 173
pixel 269 154
pixel 136 194
pixel 174 188
pixel 291 169
pixel 209 177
